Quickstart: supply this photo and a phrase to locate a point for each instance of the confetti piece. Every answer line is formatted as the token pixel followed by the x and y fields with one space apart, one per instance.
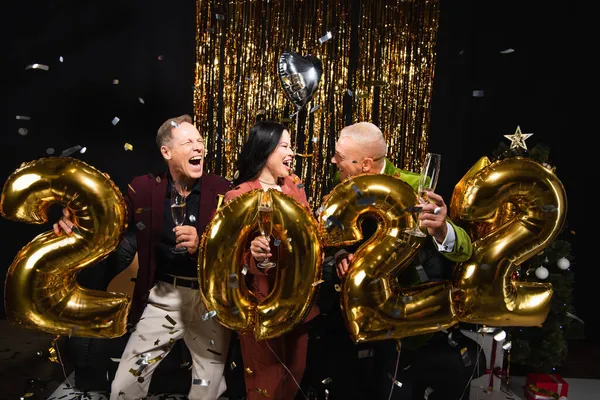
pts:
pixel 83 150
pixel 315 108
pixel 507 51
pixel 326 381
pixel 318 282
pixel 357 190
pixel 366 353
pixel 289 240
pixel 115 360
pixel 211 342
pixel 366 201
pixel 23 118
pixel 128 147
pixel 249 371
pixel 233 280
pixel 70 150
pixel 160 57
pixel 478 93
pixel 201 382
pixel 233 365
pixel 61 59
pixel 214 352
pixel 171 320
pixel 300 186
pixel 245 270
pixel 22 131
pixel 441 328
pixel 49 150
pixel 142 337
pixel 173 331
pixel 325 37
pixel 451 341
pixel 174 124
pixel 337 287
pixel 37 66
pixel 276 242
pixel 130 187
pixel 263 392
pixel 220 17
pixel 141 100
pixel 115 81
pixel 209 315
pixel 156 342
pixel 396 382
pixel 140 225
pixel 115 120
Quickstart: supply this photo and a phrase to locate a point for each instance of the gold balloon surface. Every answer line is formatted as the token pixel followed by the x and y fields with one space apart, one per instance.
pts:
pixel 374 305
pixel 479 228
pixel 485 292
pixel 221 262
pixel 41 287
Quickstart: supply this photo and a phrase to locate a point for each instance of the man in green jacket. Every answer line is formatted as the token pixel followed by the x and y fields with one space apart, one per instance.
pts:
pixel 360 149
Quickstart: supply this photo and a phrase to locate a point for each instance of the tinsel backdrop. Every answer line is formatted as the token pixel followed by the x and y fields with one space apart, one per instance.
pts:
pixel 378 62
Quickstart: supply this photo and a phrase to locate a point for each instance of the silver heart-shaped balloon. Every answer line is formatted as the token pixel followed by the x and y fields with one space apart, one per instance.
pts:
pixel 299 76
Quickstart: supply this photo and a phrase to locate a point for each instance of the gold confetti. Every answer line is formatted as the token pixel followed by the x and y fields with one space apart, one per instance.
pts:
pixel 263 392
pixel 337 287
pixel 318 282
pixel 249 371
pixel 171 320
pixel 128 146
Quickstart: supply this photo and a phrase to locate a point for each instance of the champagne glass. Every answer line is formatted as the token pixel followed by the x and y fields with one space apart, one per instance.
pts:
pixel 430 172
pixel 178 209
pixel 265 224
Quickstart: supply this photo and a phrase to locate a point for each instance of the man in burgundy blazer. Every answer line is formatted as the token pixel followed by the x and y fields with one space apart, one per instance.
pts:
pixel 166 304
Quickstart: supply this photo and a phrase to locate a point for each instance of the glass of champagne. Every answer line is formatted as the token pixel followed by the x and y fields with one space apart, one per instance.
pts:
pixel 178 209
pixel 430 172
pixel 265 224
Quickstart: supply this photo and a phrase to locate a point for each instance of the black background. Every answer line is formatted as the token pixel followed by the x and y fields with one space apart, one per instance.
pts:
pixel 149 46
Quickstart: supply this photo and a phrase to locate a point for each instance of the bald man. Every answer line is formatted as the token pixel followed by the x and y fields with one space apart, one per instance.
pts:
pixel 361 148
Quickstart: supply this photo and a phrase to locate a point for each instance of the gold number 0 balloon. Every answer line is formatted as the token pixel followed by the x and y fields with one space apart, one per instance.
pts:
pixel 374 305
pixel 485 291
pixel 221 261
pixel 41 288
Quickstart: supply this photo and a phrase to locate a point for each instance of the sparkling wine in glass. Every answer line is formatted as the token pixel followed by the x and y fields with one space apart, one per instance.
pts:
pixel 430 172
pixel 265 224
pixel 178 209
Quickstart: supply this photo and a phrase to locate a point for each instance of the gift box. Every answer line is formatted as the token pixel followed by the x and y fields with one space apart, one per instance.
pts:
pixel 546 387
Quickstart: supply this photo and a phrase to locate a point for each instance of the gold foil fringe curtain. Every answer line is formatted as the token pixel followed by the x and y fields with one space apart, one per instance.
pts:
pixel 378 66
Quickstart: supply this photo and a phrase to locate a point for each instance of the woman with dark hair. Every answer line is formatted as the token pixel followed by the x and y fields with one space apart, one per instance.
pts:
pixel 274 367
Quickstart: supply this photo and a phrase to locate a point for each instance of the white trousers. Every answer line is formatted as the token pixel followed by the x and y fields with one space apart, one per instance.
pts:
pixel 173 313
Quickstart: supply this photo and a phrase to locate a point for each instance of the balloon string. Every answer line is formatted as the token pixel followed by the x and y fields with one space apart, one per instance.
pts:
pixel 395 371
pixel 63 366
pixel 287 369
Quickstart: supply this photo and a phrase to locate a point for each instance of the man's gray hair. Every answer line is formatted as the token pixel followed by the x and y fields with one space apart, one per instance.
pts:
pixel 367 135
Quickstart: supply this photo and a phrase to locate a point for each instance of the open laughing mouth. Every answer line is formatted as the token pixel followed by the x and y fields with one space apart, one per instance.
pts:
pixel 288 164
pixel 195 161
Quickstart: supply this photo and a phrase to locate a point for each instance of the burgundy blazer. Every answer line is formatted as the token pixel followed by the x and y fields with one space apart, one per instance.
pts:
pixel 145 205
pixel 262 282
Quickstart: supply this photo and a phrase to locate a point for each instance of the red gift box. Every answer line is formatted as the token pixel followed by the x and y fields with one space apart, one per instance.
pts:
pixel 546 387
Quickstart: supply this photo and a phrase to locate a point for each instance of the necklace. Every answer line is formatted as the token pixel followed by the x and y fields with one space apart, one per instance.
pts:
pixel 267 183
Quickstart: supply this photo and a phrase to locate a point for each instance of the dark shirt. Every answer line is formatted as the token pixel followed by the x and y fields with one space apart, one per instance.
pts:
pixel 168 262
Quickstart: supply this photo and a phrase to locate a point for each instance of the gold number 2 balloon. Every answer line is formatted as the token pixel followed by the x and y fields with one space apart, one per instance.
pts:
pixel 221 265
pixel 41 287
pixel 374 305
pixel 485 292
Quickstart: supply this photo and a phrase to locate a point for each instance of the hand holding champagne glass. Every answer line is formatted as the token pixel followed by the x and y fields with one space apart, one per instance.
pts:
pixel 265 224
pixel 178 211
pixel 430 172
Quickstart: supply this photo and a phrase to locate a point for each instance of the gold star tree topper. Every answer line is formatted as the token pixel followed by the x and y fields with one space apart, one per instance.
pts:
pixel 518 139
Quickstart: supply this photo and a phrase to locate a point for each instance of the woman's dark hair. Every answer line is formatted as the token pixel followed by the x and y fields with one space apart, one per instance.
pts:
pixel 262 141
